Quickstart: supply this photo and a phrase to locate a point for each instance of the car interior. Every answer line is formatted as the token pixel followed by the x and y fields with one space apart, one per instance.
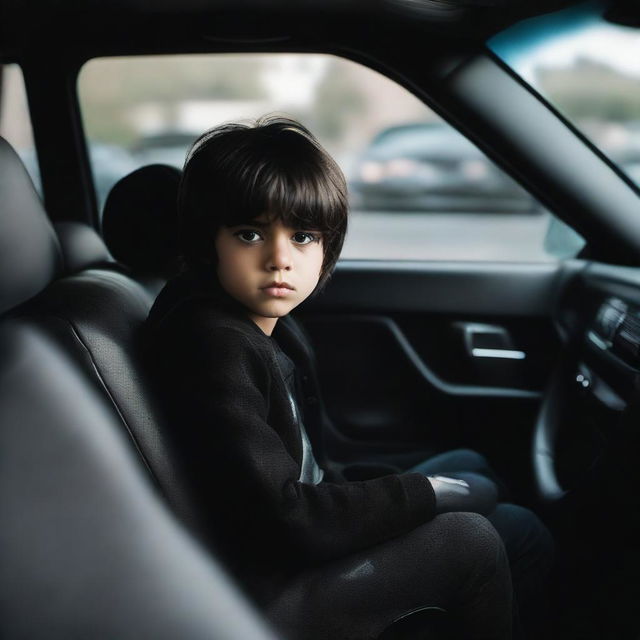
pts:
pixel 533 363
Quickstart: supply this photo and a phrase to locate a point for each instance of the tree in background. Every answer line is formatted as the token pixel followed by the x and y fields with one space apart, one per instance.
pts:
pixel 591 89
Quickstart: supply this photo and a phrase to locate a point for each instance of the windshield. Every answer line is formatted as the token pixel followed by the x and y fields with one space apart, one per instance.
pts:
pixel 589 70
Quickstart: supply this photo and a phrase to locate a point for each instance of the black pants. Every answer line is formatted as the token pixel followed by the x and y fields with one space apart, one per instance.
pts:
pixel 529 544
pixel 456 561
pixel 434 565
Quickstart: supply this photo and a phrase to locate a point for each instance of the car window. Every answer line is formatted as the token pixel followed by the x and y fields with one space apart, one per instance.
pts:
pixel 589 70
pixel 419 190
pixel 15 122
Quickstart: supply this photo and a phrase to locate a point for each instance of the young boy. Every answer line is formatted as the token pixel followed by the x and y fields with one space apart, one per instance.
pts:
pixel 263 211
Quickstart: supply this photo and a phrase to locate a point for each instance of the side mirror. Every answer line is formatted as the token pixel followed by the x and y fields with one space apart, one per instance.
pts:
pixel 561 240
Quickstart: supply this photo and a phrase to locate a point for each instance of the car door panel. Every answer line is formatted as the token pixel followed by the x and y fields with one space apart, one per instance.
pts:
pixel 395 346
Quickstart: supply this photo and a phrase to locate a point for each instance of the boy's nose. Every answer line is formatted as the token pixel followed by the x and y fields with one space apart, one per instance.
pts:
pixel 279 256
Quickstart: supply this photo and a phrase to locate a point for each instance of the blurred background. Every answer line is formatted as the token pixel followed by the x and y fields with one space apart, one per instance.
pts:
pixel 418 189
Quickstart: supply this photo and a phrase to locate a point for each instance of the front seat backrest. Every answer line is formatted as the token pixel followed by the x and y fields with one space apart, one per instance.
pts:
pixel 29 252
pixel 87 548
pixel 94 315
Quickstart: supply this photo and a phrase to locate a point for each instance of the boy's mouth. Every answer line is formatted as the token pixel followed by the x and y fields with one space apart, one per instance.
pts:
pixel 277 292
pixel 278 285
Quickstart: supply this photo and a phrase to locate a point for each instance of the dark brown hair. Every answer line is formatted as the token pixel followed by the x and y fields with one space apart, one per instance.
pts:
pixel 237 171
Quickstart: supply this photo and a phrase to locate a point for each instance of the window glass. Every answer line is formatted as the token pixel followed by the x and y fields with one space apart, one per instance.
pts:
pixel 418 189
pixel 589 69
pixel 15 123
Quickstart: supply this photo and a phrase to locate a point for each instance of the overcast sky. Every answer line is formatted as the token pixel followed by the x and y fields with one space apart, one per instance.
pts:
pixel 618 47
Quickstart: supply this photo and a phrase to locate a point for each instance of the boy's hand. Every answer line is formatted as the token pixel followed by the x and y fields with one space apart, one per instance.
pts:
pixel 466 492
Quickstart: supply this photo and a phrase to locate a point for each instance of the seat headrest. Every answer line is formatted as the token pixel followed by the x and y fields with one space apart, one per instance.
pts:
pixel 140 219
pixel 30 256
pixel 82 247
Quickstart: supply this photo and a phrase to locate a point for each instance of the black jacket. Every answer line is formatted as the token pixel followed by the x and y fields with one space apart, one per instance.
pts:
pixel 234 423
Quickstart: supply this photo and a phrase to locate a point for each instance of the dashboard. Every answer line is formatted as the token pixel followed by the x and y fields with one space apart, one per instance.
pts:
pixel 612 346
pixel 583 416
pixel 599 315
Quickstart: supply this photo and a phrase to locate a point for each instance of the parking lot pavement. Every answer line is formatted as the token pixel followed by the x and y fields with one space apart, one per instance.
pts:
pixel 450 236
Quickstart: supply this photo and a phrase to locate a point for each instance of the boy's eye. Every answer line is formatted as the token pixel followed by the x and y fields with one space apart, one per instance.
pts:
pixel 251 236
pixel 304 237
pixel 248 235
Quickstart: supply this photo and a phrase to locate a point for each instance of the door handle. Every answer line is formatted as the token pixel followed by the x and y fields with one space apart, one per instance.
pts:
pixel 489 341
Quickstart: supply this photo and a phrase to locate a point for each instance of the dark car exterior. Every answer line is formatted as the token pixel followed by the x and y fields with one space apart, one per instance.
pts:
pixel 430 167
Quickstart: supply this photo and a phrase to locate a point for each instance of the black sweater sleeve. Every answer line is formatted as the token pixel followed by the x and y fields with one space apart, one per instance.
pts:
pixel 229 391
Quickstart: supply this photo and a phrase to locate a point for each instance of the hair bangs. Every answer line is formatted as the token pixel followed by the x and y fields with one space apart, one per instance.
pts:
pixel 276 168
pixel 301 194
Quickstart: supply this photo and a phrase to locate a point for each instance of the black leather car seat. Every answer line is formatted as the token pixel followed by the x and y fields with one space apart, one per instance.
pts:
pixel 88 547
pixel 83 248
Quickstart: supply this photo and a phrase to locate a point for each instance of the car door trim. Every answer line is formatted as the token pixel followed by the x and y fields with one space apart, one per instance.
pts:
pixel 433 378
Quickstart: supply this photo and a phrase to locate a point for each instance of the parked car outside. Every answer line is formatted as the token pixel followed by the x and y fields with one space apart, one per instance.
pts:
pixel 428 166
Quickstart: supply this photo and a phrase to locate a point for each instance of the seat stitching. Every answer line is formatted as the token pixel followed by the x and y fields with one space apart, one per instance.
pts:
pixel 104 385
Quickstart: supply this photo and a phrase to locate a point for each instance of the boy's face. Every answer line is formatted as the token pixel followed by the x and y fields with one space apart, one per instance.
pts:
pixel 252 256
